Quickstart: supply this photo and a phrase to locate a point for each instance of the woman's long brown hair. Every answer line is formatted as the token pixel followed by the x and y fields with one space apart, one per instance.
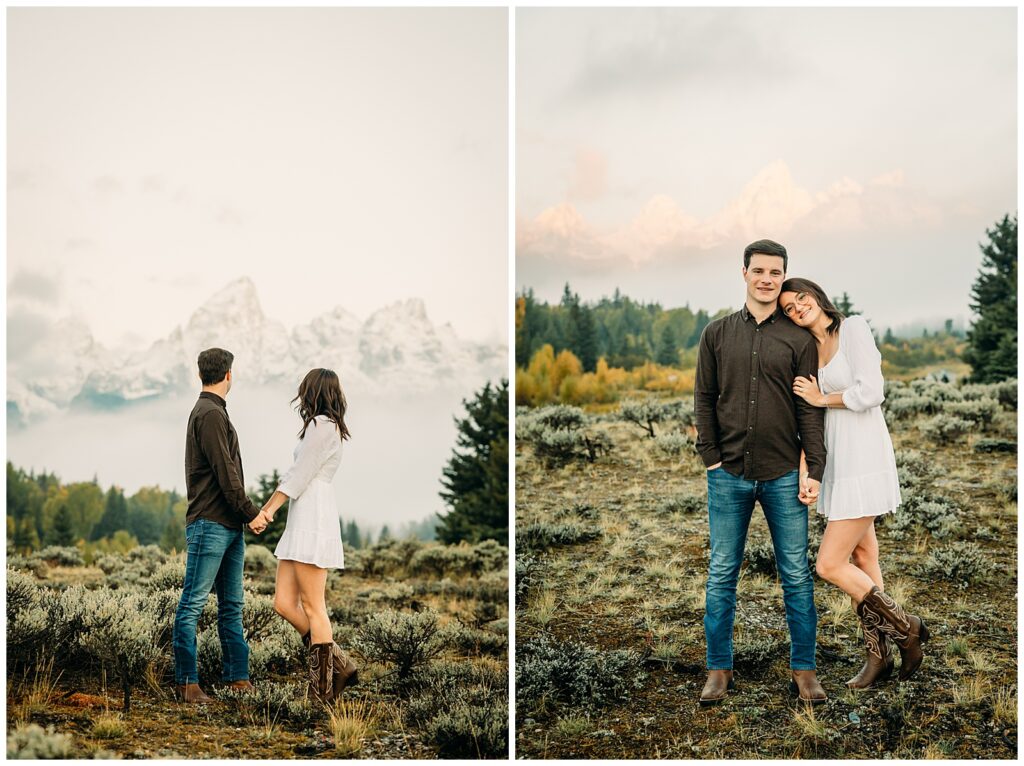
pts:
pixel 320 394
pixel 800 285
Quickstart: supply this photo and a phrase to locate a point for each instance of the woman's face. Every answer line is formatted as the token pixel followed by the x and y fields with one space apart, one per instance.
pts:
pixel 800 307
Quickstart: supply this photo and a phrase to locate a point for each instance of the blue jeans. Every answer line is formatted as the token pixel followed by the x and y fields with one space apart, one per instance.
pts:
pixel 730 505
pixel 215 559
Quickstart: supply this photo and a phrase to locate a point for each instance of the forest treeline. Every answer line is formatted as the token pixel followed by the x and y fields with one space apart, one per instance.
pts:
pixel 580 352
pixel 42 511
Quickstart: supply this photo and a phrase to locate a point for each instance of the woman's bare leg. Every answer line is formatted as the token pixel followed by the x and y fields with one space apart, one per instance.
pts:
pixel 287 602
pixel 312 582
pixel 837 545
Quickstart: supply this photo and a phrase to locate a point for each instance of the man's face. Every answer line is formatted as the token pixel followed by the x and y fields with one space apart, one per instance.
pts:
pixel 764 277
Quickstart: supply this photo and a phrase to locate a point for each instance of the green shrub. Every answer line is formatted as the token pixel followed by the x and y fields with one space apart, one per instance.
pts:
pixel 685 503
pixel 269 701
pixel 407 641
pixel 946 429
pixel 462 707
pixel 472 723
pixel 551 673
pixel 260 560
pixel 756 650
pixel 960 563
pixel 119 630
pixel 168 576
pixel 542 535
pixel 995 445
pixel 980 412
pixel 60 555
pixel 33 742
pixel 674 444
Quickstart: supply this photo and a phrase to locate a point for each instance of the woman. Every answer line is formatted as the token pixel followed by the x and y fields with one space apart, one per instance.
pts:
pixel 860 481
pixel 311 543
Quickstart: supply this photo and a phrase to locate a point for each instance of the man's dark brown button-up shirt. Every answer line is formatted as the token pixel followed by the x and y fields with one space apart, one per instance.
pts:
pixel 747 414
pixel 213 467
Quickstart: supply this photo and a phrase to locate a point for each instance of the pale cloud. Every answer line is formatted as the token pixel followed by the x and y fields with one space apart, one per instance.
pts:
pixel 772 204
pixel 590 176
pixel 34 286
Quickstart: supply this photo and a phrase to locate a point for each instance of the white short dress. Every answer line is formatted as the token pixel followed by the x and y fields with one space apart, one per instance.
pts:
pixel 312 533
pixel 860 471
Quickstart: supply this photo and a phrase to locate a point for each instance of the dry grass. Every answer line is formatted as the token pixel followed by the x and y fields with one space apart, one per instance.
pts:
pixel 108 726
pixel 351 721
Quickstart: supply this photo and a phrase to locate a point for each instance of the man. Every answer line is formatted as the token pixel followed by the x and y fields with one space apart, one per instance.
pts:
pixel 218 510
pixel 750 432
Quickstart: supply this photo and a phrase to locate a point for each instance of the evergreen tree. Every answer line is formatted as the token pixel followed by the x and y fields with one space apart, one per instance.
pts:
pixel 385 534
pixel 668 350
pixel 889 337
pixel 992 340
pixel 352 536
pixel 845 306
pixel 585 341
pixel 173 537
pixel 26 538
pixel 63 531
pixel 476 477
pixel 115 515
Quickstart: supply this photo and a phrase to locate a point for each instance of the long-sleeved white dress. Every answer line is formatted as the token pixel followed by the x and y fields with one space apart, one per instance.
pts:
pixel 860 472
pixel 312 533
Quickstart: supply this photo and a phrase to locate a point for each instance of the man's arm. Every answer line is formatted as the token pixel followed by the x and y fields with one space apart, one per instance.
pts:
pixel 705 397
pixel 213 439
pixel 810 419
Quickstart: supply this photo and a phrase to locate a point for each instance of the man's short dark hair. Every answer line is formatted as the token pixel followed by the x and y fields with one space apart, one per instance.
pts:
pixel 214 365
pixel 765 247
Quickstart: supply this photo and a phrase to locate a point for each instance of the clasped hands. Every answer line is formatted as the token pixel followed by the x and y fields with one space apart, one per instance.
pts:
pixel 808 489
pixel 263 518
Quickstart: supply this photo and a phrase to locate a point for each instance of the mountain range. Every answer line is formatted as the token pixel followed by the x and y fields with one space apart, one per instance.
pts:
pixel 396 350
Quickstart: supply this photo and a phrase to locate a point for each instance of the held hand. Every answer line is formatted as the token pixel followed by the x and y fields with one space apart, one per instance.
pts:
pixel 258 524
pixel 808 490
pixel 807 389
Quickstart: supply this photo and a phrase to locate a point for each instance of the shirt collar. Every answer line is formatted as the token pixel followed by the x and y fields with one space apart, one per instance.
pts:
pixel 747 316
pixel 213 398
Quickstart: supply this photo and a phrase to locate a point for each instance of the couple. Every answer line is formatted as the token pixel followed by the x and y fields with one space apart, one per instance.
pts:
pixel 219 510
pixel 777 382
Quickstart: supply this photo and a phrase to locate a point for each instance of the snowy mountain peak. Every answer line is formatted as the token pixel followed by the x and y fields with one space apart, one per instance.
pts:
pixel 396 349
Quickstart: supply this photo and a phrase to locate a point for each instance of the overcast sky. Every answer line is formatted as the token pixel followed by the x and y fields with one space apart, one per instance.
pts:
pixel 337 156
pixel 877 144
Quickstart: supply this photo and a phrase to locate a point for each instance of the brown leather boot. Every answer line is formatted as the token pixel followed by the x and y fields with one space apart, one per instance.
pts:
pixel 192 694
pixel 907 631
pixel 345 671
pixel 878 666
pixel 243 684
pixel 806 686
pixel 719 683
pixel 321 675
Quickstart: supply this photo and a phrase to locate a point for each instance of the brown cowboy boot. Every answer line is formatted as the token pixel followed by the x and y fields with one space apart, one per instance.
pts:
pixel 192 694
pixel 806 686
pixel 907 631
pixel 321 676
pixel 345 671
pixel 719 683
pixel 243 684
pixel 879 664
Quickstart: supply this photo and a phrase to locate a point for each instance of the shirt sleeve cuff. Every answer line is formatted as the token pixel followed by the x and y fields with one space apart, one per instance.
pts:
pixel 710 457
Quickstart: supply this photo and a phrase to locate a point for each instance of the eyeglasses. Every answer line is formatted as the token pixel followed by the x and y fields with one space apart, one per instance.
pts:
pixel 800 299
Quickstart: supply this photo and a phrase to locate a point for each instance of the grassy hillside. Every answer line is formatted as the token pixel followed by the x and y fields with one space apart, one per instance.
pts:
pixel 612 541
pixel 427 624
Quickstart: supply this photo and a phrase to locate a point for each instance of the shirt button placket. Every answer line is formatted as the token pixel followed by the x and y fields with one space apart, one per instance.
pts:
pixel 755 368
